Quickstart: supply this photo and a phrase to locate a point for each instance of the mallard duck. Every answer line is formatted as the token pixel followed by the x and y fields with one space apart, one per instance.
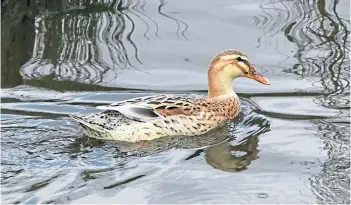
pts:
pixel 151 117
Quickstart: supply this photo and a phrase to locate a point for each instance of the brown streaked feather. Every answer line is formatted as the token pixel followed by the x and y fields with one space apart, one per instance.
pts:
pixel 162 105
pixel 167 111
pixel 159 99
pixel 224 108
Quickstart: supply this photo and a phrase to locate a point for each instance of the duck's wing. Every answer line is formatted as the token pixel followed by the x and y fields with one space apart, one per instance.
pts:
pixel 158 106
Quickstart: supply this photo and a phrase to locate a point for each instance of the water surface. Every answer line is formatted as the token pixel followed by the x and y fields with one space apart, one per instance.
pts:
pixel 289 145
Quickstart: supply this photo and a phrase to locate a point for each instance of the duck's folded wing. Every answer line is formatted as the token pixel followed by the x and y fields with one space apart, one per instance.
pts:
pixel 149 108
pixel 157 99
pixel 135 112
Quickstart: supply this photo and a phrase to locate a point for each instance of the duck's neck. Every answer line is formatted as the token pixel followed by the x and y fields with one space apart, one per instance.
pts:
pixel 220 85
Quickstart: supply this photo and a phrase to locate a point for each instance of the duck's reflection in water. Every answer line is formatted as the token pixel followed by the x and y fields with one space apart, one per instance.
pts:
pixel 233 158
pixel 241 148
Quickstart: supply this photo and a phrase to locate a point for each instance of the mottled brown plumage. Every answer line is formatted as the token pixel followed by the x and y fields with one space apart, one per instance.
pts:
pixel 152 117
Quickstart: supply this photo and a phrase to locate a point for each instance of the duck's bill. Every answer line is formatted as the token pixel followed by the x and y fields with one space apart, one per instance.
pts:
pixel 262 80
pixel 259 78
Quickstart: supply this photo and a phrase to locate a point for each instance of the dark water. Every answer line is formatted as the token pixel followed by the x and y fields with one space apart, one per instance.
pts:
pixel 291 143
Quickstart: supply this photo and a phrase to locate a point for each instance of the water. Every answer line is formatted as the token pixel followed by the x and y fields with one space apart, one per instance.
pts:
pixel 289 145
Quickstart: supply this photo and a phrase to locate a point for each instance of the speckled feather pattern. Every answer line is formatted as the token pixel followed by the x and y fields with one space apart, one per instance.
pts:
pixel 183 115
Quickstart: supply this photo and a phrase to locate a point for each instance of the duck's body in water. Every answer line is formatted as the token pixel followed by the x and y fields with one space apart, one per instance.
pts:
pixel 157 116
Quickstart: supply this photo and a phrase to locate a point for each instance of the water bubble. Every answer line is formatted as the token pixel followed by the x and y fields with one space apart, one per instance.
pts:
pixel 262 195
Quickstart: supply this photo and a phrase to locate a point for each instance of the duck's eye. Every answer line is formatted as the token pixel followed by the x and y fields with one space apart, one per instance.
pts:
pixel 239 59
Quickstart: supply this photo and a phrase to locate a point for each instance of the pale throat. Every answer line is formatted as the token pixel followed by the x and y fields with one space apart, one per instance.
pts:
pixel 220 85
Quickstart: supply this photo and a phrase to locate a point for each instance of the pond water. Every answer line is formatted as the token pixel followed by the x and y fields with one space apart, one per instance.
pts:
pixel 290 144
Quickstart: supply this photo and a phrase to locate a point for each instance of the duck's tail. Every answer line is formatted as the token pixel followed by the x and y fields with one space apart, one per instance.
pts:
pixel 93 130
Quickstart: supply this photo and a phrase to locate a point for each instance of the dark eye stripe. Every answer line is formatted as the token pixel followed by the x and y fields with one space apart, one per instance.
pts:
pixel 247 63
pixel 244 71
pixel 244 61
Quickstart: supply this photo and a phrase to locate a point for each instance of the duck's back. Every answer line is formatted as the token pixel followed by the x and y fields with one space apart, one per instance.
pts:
pixel 204 115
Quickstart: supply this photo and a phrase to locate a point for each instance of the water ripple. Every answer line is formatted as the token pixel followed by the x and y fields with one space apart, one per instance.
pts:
pixel 321 38
pixel 95 41
pixel 322 43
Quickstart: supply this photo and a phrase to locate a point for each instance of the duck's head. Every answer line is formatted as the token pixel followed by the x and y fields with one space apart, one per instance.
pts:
pixel 228 65
pixel 233 64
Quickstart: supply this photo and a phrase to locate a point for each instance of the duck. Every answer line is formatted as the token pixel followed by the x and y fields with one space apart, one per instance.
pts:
pixel 156 116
